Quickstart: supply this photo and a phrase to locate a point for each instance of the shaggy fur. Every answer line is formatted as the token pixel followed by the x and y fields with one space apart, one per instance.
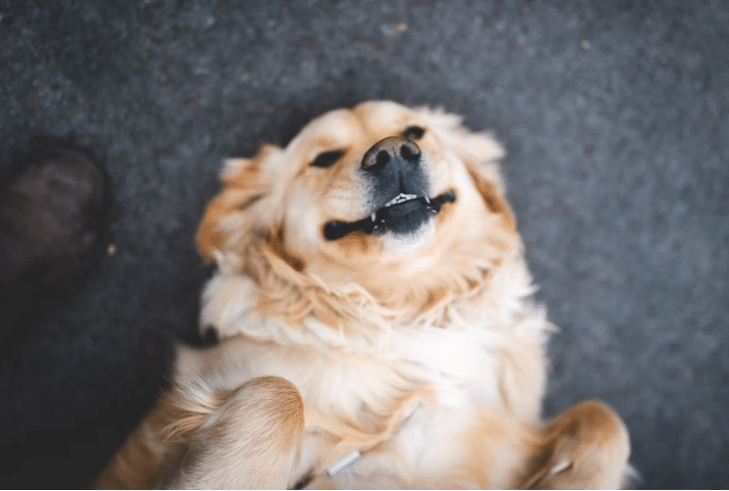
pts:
pixel 420 348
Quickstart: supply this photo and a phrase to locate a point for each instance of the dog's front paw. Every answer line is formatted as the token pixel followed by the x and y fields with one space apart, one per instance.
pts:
pixel 586 447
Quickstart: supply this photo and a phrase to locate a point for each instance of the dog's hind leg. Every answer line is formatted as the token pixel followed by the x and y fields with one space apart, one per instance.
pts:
pixel 141 461
pixel 586 447
pixel 200 437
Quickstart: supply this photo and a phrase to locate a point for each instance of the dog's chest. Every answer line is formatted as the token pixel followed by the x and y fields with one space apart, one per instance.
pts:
pixel 402 403
pixel 402 396
pixel 452 367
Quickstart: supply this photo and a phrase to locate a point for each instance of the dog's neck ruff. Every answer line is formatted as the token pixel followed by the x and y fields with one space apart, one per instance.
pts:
pixel 238 303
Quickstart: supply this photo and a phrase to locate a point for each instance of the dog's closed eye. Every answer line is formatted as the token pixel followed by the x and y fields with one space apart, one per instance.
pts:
pixel 327 159
pixel 413 132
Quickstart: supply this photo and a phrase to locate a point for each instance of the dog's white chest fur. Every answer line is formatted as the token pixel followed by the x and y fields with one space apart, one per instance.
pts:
pixel 401 396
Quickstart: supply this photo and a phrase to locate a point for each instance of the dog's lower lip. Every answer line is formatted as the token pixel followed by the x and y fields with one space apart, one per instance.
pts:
pixel 336 229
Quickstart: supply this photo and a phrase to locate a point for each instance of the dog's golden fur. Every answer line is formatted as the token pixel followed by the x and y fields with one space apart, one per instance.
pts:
pixel 425 354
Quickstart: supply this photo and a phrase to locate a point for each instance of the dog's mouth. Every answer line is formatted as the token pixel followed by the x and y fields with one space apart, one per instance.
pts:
pixel 402 215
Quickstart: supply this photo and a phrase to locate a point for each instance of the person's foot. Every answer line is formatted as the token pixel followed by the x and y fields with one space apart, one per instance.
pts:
pixel 52 211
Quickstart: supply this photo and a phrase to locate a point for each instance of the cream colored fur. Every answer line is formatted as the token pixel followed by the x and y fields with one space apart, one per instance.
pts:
pixel 431 363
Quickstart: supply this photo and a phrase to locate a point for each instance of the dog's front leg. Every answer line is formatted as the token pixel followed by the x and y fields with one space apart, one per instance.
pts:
pixel 586 447
pixel 248 439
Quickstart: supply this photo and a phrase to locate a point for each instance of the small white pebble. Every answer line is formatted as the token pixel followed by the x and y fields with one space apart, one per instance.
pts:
pixel 394 29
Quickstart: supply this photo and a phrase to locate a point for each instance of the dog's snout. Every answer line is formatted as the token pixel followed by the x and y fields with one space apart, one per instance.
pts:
pixel 394 149
pixel 394 166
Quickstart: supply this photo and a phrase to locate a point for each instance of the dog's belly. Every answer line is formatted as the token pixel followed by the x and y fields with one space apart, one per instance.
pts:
pixel 439 448
pixel 411 413
pixel 424 448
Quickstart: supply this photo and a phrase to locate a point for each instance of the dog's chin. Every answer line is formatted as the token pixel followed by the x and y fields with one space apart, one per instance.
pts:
pixel 409 242
pixel 407 226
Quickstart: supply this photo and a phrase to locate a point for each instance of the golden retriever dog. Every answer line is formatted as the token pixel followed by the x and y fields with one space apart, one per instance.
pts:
pixel 376 327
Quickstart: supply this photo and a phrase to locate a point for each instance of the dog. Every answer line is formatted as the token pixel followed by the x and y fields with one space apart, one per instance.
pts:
pixel 376 325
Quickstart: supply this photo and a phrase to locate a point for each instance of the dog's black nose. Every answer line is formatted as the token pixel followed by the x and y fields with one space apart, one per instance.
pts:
pixel 394 150
pixel 394 166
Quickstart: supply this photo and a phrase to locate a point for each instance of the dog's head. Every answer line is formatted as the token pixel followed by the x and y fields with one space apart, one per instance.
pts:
pixel 402 202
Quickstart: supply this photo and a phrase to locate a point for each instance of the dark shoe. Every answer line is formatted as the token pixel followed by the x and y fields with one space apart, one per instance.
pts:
pixel 52 211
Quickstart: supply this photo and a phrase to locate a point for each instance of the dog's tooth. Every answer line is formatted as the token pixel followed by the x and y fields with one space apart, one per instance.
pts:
pixel 373 216
pixel 427 200
pixel 400 198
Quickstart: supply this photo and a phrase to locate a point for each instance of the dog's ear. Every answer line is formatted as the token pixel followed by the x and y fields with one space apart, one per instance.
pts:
pixel 244 208
pixel 489 183
pixel 481 154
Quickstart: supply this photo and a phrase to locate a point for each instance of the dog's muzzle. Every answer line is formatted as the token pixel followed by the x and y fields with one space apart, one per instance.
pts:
pixel 399 191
